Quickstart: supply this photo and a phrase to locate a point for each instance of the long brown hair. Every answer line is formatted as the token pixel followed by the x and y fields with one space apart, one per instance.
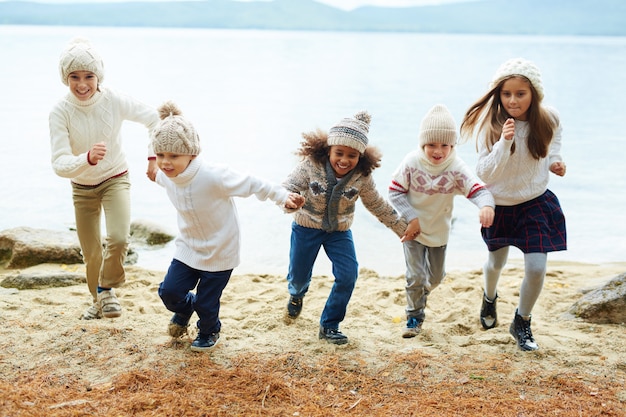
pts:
pixel 315 145
pixel 487 114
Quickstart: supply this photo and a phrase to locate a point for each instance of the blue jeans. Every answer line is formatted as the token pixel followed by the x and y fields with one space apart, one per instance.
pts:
pixel 175 291
pixel 339 247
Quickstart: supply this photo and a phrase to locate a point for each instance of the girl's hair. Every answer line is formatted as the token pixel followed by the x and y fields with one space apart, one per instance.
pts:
pixel 488 115
pixel 315 146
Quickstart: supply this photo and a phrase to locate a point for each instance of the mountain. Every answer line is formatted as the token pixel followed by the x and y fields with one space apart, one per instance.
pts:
pixel 529 17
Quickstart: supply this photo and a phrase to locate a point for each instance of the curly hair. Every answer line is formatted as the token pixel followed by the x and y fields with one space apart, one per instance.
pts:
pixel 488 114
pixel 315 145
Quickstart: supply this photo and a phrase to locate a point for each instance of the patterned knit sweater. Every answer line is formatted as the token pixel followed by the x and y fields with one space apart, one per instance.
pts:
pixel 76 125
pixel 425 191
pixel 330 202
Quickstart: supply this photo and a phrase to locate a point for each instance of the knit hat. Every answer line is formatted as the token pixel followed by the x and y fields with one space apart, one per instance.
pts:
pixel 520 66
pixel 79 55
pixel 351 132
pixel 438 127
pixel 174 133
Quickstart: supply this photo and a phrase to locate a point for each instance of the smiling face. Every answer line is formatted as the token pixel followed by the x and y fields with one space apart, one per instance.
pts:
pixel 343 159
pixel 437 152
pixel 83 84
pixel 516 97
pixel 173 164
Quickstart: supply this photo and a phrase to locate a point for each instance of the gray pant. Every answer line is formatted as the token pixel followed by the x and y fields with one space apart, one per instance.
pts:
pixel 425 269
pixel 104 266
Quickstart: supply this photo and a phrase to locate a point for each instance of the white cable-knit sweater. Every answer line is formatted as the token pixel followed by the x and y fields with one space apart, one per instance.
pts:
pixel 76 125
pixel 208 224
pixel 517 178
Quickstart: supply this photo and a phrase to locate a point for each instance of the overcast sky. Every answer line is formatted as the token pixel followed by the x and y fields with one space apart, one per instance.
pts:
pixel 342 4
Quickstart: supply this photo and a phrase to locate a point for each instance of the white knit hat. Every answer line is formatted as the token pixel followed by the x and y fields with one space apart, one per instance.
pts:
pixel 79 55
pixel 351 132
pixel 438 126
pixel 520 66
pixel 174 133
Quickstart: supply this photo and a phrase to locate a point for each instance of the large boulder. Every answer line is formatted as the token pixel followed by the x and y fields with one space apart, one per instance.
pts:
pixel 22 247
pixel 604 305
pixel 148 232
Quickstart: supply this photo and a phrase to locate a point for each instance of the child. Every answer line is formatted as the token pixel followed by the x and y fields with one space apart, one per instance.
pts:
pixel 207 247
pixel 519 143
pixel 87 148
pixel 422 190
pixel 335 171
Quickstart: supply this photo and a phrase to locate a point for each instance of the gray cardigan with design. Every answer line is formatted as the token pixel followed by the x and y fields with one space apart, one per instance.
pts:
pixel 330 202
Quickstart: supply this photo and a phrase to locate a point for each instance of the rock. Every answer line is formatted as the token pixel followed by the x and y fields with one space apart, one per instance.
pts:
pixel 149 232
pixel 22 247
pixel 604 305
pixel 41 279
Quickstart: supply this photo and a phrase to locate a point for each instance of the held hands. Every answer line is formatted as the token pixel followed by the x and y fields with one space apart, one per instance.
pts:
pixel 486 215
pixel 294 201
pixel 558 168
pixel 412 230
pixel 508 129
pixel 97 152
pixel 152 170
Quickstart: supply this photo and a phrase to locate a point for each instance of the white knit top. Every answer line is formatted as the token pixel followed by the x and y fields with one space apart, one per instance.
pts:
pixel 76 125
pixel 209 236
pixel 516 178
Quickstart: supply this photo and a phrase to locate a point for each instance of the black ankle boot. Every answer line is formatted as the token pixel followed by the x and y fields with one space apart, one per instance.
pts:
pixel 488 313
pixel 520 330
pixel 333 336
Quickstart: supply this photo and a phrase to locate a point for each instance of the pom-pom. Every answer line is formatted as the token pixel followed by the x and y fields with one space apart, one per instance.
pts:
pixel 167 109
pixel 363 116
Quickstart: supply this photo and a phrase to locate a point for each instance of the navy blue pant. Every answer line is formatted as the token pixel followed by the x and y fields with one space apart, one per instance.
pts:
pixel 175 291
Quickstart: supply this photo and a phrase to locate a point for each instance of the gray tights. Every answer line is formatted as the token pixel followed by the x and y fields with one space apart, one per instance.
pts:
pixel 534 274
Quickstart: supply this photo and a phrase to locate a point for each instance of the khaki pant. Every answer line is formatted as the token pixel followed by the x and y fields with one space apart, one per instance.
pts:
pixel 104 265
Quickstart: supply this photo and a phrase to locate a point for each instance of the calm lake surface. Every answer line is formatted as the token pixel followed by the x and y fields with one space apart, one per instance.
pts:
pixel 251 94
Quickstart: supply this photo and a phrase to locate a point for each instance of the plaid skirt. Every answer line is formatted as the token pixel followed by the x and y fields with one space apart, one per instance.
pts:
pixel 537 225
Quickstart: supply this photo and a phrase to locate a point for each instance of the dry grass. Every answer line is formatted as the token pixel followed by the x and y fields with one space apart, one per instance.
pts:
pixel 410 384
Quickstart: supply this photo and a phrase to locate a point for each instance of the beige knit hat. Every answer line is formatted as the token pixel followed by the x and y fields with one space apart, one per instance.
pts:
pixel 351 132
pixel 523 67
pixel 79 55
pixel 174 133
pixel 438 127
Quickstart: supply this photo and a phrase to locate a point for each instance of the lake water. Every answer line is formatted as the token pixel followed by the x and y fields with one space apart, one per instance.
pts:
pixel 251 94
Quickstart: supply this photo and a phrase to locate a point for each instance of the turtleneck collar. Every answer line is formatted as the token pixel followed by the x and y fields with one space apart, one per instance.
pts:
pixel 80 103
pixel 188 174
pixel 436 169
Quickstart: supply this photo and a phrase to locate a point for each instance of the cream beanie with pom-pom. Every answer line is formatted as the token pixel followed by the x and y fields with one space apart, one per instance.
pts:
pixel 174 133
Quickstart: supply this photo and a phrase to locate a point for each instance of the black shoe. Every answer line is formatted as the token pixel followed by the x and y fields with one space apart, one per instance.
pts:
pixel 520 330
pixel 488 314
pixel 204 342
pixel 333 336
pixel 294 307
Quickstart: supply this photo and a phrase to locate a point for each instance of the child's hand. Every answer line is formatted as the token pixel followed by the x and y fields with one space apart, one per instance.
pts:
pixel 508 129
pixel 412 230
pixel 558 168
pixel 486 215
pixel 294 201
pixel 152 170
pixel 97 152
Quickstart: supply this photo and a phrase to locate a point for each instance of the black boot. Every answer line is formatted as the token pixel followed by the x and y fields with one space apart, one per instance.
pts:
pixel 488 313
pixel 520 329
pixel 294 307
pixel 333 336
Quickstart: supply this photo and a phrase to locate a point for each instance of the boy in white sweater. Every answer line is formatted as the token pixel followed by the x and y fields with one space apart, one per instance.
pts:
pixel 423 190
pixel 207 246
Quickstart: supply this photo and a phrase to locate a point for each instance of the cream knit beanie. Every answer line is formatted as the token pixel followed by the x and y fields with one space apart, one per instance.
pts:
pixel 438 127
pixel 79 55
pixel 351 132
pixel 174 134
pixel 523 67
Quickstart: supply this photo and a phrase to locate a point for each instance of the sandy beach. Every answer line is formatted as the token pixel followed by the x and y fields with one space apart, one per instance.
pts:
pixel 52 361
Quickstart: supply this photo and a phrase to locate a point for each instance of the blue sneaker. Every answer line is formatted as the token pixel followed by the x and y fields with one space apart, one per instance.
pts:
pixel 205 342
pixel 178 326
pixel 413 327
